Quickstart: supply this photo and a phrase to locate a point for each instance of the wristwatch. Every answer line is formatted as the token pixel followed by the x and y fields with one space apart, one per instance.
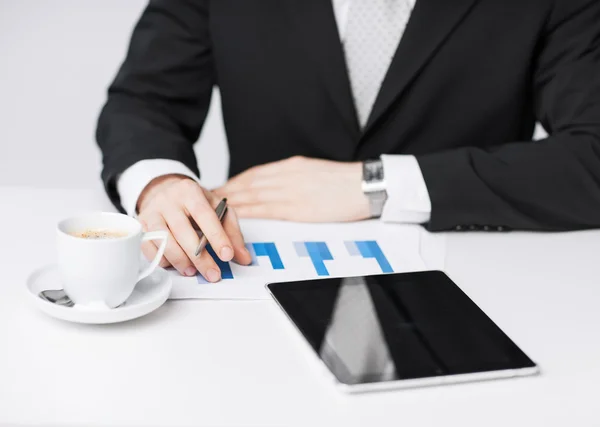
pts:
pixel 373 186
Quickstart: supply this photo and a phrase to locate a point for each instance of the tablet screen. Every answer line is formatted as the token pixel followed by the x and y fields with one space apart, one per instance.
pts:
pixel 396 327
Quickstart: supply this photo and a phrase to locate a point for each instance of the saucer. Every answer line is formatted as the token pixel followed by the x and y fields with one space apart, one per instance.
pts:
pixel 149 294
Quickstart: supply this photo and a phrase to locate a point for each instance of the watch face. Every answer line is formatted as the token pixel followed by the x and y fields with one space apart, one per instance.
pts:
pixel 373 171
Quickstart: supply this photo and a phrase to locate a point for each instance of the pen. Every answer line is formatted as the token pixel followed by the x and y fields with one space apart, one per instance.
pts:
pixel 220 211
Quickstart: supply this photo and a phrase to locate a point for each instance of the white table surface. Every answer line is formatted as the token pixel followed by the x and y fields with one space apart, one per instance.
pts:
pixel 233 363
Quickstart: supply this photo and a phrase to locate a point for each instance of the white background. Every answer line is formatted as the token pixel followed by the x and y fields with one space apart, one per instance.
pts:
pixel 57 58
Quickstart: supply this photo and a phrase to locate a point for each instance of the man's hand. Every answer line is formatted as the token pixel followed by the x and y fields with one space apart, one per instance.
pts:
pixel 168 203
pixel 299 189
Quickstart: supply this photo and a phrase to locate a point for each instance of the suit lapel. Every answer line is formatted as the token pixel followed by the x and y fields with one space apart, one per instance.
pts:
pixel 316 25
pixel 430 24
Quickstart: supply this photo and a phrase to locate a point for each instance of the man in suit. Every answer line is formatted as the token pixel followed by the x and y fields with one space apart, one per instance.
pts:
pixel 418 111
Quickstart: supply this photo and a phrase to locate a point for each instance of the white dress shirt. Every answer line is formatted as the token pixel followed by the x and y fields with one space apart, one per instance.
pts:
pixel 408 198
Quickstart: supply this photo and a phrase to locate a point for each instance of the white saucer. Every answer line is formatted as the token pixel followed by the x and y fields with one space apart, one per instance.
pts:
pixel 149 294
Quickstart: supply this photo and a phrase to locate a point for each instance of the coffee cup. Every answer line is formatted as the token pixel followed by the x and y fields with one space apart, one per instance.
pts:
pixel 99 257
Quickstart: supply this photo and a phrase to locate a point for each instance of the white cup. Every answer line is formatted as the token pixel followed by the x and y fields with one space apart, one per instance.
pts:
pixel 102 273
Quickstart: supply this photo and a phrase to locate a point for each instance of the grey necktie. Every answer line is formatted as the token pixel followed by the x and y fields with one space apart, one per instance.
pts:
pixel 374 29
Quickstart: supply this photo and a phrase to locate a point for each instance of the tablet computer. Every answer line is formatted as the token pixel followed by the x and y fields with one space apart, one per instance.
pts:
pixel 398 331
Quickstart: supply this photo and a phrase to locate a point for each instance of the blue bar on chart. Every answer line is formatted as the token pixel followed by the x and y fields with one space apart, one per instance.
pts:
pixel 256 250
pixel 265 249
pixel 225 268
pixel 369 249
pixel 318 252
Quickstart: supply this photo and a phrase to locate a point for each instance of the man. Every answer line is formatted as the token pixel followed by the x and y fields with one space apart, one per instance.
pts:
pixel 448 91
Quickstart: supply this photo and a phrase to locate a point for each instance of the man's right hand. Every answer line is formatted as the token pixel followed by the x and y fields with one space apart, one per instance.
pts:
pixel 168 203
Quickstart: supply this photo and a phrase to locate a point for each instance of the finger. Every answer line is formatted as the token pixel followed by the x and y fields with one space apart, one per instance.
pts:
pixel 173 252
pixel 264 211
pixel 199 208
pixel 232 227
pixel 245 182
pixel 240 180
pixel 149 249
pixel 186 237
pixel 207 266
pixel 204 262
pixel 255 196
pixel 276 167
pixel 261 176
pixel 219 192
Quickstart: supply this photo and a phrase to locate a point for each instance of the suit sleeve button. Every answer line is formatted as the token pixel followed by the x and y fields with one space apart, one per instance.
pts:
pixel 458 228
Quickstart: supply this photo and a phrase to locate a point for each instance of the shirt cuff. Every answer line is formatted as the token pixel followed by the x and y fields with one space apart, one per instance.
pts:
pixel 132 182
pixel 408 199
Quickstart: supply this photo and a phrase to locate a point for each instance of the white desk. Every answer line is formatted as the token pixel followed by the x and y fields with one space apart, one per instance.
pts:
pixel 234 363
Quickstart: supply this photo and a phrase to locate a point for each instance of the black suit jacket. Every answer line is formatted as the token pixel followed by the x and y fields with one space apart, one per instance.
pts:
pixel 465 88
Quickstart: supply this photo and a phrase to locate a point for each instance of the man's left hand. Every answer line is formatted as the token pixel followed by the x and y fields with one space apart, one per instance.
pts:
pixel 299 189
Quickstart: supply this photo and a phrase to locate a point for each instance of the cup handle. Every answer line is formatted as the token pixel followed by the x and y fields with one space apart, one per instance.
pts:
pixel 154 235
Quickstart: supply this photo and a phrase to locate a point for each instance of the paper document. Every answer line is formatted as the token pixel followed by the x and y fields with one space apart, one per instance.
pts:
pixel 283 251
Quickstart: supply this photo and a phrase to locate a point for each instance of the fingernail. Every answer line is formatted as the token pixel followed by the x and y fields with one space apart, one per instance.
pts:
pixel 190 271
pixel 213 275
pixel 226 253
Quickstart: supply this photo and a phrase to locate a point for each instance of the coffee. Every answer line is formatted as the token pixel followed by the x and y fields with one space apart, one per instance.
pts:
pixel 98 234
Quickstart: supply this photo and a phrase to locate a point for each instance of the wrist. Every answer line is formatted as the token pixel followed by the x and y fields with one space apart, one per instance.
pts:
pixel 155 186
pixel 361 206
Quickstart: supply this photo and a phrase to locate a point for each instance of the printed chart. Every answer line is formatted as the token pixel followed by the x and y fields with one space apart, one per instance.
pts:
pixel 287 258
pixel 317 252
